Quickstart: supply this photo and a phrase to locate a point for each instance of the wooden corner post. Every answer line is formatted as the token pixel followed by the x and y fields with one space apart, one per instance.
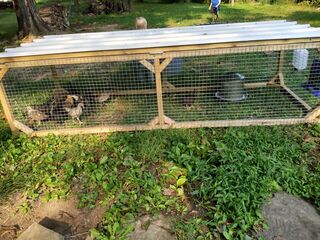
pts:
pixel 314 115
pixel 157 71
pixel 4 99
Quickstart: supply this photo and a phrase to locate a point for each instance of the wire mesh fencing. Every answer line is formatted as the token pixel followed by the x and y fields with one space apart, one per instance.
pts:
pixel 242 85
pixel 81 95
pixel 217 85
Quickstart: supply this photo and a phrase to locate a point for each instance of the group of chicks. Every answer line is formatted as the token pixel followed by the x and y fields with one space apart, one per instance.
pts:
pixel 72 105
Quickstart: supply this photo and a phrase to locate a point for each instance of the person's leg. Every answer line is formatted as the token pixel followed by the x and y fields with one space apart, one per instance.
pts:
pixel 216 13
pixel 212 13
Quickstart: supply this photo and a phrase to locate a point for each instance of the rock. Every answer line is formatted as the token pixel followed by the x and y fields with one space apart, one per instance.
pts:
pixel 290 218
pixel 148 228
pixel 36 231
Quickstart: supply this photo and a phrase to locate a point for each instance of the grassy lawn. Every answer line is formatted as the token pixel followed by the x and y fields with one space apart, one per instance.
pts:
pixel 170 15
pixel 180 14
pixel 224 174
pixel 8 24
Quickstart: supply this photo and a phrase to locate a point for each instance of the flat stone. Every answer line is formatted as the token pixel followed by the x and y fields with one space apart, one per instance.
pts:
pixel 290 218
pixel 147 228
pixel 36 231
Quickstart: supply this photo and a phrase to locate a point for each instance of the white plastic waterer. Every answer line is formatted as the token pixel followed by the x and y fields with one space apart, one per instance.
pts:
pixel 300 59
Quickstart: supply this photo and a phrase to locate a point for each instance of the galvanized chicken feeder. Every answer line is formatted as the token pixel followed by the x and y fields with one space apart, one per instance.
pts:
pixel 231 87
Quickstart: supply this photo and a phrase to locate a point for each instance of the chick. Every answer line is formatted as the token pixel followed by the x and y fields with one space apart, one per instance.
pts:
pixel 75 112
pixel 35 115
pixel 141 23
pixel 104 98
pixel 70 101
pixel 189 99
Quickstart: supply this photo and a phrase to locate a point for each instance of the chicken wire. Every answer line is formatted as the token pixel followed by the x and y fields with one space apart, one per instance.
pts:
pixel 80 95
pixel 213 93
pixel 196 86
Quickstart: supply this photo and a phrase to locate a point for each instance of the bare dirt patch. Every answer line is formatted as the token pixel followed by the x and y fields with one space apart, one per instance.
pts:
pixel 98 28
pixel 62 216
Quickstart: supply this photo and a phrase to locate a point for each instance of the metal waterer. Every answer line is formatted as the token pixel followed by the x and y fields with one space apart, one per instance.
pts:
pixel 231 87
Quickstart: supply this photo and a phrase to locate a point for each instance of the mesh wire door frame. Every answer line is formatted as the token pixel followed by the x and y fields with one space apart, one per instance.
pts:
pixel 217 87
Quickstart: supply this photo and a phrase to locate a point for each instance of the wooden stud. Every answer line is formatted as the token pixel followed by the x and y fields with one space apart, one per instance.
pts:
pixel 255 85
pixel 147 64
pixel 313 115
pixel 169 88
pixel 195 124
pixel 159 90
pixel 5 102
pixel 22 127
pixel 169 121
pixel 80 60
pixel 165 63
pixel 167 85
pixel 295 96
pixel 281 79
pixel 3 71
pixel 274 80
pixel 155 121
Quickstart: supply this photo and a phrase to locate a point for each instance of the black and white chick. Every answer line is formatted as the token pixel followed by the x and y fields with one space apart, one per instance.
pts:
pixel 75 112
pixel 189 99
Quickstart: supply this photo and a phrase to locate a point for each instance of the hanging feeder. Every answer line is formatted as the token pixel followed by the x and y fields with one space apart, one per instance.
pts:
pixel 231 87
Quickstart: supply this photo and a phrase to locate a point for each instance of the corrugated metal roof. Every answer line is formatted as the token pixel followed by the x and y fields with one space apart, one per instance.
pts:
pixel 164 37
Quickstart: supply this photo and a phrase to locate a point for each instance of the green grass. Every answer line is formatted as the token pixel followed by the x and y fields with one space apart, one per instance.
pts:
pixel 180 14
pixel 229 173
pixel 226 173
pixel 184 14
pixel 8 24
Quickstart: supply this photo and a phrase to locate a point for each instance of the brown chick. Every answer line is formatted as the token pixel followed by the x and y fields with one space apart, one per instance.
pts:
pixel 35 115
pixel 104 98
pixel 70 100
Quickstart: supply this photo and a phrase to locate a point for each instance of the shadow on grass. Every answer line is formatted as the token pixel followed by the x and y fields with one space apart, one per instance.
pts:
pixel 231 14
pixel 306 17
pixel 8 24
pixel 5 132
pixel 177 14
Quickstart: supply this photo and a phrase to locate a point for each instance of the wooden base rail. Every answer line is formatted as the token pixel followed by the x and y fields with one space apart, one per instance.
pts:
pixel 195 124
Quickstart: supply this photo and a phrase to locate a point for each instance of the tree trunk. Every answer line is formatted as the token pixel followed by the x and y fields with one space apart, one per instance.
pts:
pixel 109 6
pixel 29 21
pixel 76 2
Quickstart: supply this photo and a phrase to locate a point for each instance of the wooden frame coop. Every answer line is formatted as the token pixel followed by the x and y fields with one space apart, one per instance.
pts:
pixel 254 73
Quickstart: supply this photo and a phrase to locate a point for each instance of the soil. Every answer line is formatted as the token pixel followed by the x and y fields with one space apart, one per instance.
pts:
pixel 98 28
pixel 62 216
